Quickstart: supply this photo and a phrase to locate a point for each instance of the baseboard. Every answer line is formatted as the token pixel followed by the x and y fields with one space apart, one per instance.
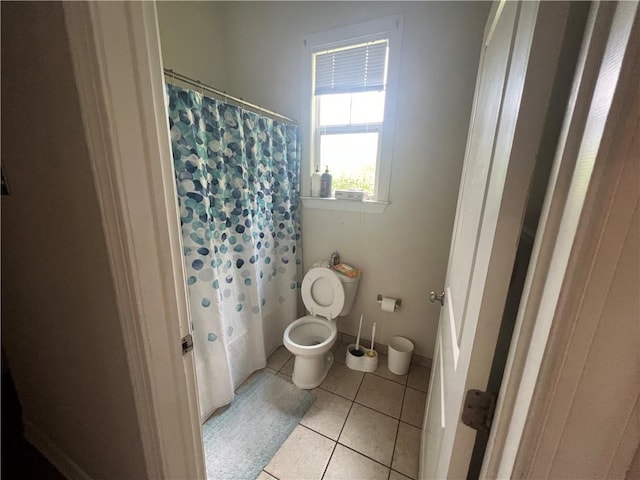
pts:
pixel 53 453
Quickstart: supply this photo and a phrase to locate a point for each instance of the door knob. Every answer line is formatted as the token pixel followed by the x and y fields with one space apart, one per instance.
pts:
pixel 433 296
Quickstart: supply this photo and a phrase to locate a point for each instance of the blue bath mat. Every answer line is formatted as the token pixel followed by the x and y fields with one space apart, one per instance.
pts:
pixel 240 439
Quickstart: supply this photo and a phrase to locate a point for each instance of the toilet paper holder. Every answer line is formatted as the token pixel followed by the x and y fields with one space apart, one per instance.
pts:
pixel 397 302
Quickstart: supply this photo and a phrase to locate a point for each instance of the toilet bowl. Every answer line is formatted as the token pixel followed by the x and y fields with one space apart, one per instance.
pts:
pixel 310 339
pixel 327 294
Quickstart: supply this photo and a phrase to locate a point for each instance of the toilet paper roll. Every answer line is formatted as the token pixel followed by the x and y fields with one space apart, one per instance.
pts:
pixel 388 304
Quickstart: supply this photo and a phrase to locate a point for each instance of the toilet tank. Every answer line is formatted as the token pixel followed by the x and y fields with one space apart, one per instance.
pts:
pixel 350 286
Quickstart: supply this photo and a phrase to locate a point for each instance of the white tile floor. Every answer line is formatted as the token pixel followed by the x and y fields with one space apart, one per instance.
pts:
pixel 361 426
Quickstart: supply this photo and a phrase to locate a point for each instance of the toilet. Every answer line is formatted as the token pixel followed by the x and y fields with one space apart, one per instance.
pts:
pixel 327 294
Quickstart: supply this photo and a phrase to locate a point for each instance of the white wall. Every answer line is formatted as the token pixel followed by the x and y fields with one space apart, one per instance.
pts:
pixel 403 253
pixel 196 42
pixel 60 324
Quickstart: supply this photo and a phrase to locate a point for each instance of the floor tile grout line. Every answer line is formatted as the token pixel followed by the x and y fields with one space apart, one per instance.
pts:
pixel 399 473
pixel 324 472
pixel 417 389
pixel 283 364
pixel 335 442
pixel 395 441
pixel 353 399
pixel 311 430
pixel 406 423
pixel 411 425
pixel 319 433
pixel 378 411
pixel 342 429
pixel 362 404
pixel 364 455
pixel 390 379
pixel 373 409
pixel 341 396
pixel 404 397
pixel 339 433
pixel 384 413
pixel 343 425
pixel 277 478
pixel 347 446
pixel 350 408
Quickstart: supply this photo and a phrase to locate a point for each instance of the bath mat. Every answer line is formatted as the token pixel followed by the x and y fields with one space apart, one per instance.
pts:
pixel 240 439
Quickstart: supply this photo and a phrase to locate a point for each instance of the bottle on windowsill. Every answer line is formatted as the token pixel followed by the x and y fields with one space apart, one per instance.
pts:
pixel 316 180
pixel 325 184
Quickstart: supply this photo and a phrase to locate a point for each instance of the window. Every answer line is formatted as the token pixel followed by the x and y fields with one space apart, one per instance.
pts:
pixel 349 91
pixel 352 72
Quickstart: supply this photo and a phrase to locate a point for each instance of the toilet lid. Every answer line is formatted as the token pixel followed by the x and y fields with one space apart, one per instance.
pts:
pixel 322 292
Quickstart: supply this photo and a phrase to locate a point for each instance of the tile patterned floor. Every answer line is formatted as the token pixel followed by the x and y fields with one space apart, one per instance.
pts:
pixel 361 426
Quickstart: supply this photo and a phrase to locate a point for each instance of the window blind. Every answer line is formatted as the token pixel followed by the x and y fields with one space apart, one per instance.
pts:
pixel 357 68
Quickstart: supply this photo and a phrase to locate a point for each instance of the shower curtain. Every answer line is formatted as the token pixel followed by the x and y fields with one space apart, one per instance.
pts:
pixel 237 177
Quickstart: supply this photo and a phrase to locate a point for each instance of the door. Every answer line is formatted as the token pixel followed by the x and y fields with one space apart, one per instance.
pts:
pixel 517 71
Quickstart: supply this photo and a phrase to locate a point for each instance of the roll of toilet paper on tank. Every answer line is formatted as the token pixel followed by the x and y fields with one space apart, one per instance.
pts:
pixel 388 304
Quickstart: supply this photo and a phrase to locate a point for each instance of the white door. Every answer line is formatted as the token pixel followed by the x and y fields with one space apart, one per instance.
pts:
pixel 508 115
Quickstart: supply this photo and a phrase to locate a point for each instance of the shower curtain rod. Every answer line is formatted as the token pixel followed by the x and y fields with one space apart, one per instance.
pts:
pixel 220 93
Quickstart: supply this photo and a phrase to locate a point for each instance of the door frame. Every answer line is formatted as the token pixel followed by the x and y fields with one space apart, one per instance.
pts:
pixel 571 223
pixel 115 48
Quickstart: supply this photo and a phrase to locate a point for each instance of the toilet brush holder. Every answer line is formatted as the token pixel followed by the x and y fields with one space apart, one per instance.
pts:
pixel 368 362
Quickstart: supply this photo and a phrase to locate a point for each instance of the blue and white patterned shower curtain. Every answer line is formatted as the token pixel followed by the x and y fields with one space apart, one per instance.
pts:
pixel 237 176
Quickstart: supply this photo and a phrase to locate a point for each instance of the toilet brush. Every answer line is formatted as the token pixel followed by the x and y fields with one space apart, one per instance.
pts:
pixel 356 352
pixel 372 352
pixel 362 359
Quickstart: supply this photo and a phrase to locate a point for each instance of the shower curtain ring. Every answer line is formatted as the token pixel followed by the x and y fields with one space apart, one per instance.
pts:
pixel 173 78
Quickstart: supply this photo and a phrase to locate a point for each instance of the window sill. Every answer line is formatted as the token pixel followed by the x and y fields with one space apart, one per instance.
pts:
pixel 344 205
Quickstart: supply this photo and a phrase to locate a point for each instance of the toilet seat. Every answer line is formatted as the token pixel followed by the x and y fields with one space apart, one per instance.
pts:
pixel 322 293
pixel 308 334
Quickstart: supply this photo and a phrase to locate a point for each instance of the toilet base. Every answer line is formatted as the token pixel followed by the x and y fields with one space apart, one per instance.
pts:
pixel 310 372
